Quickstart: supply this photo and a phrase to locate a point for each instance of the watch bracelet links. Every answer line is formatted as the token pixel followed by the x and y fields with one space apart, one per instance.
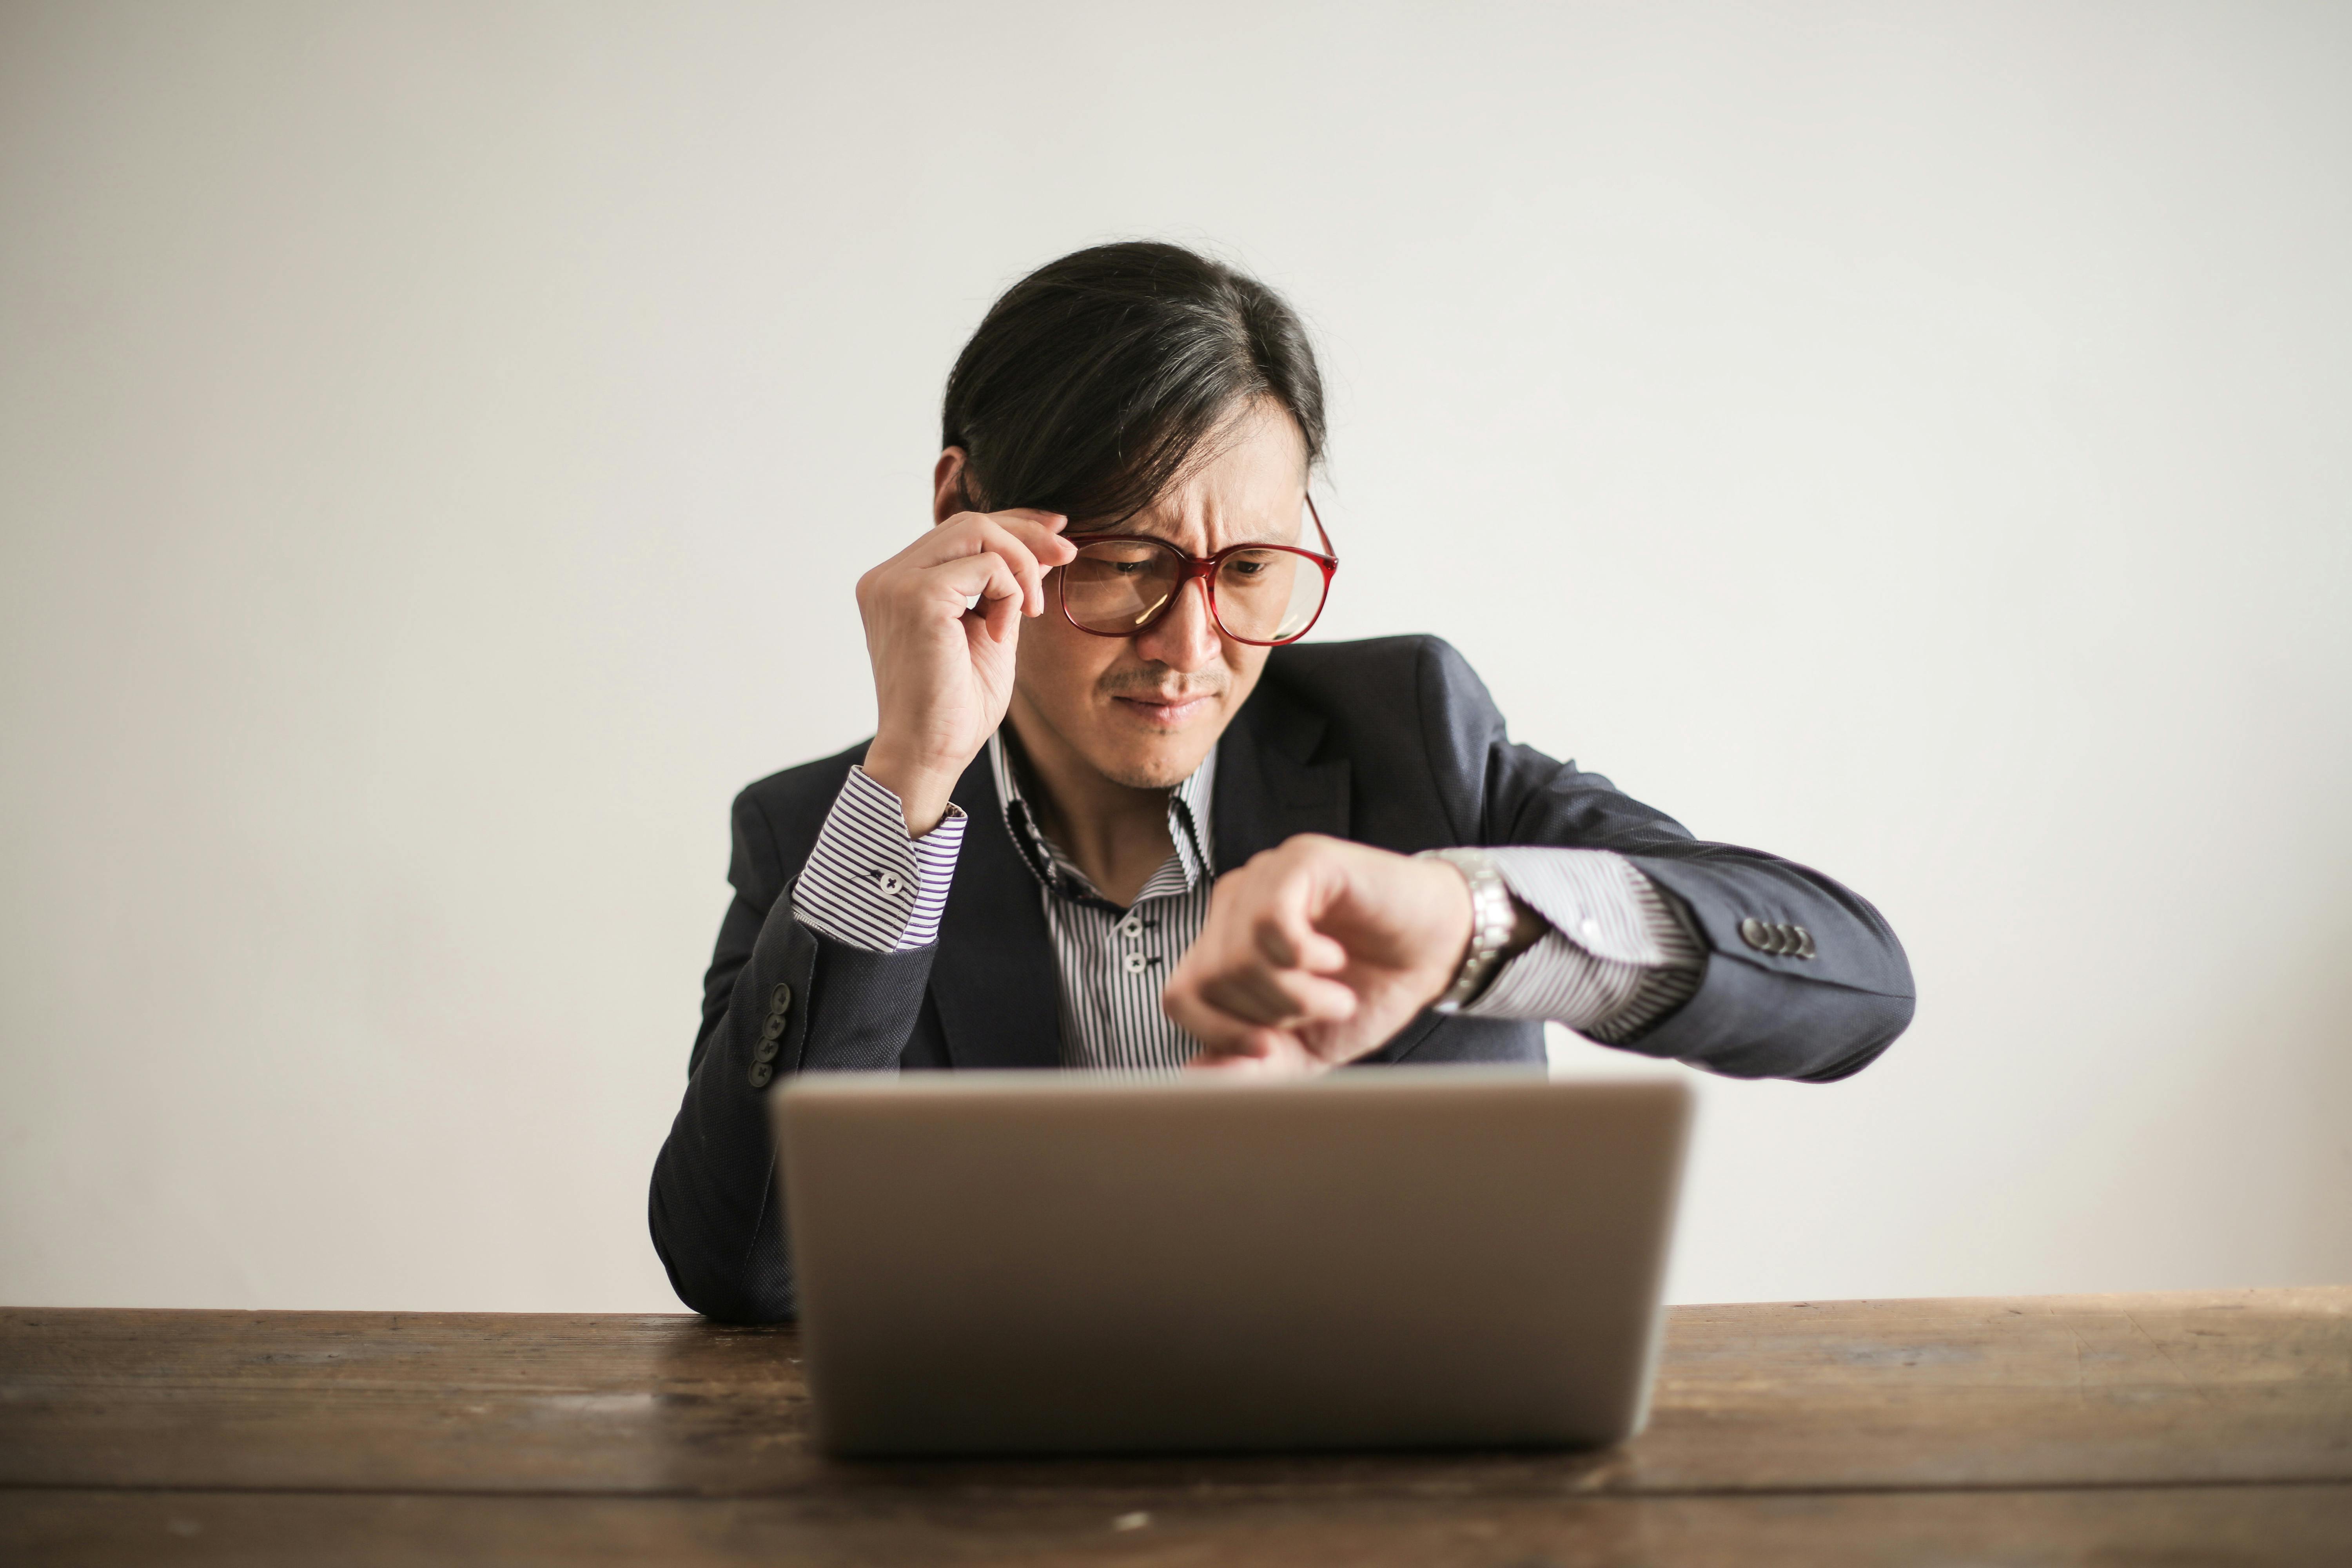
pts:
pixel 1492 920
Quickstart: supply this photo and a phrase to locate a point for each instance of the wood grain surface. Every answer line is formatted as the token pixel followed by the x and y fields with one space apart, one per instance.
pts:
pixel 2219 1423
pixel 2247 1526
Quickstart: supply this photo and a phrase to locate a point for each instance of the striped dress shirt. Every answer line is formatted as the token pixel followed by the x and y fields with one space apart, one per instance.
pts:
pixel 1616 956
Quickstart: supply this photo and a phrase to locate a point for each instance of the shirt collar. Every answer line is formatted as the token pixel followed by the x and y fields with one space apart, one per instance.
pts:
pixel 1188 829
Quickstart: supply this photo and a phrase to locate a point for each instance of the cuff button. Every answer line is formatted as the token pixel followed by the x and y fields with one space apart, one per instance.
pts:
pixel 1777 938
pixel 761 1073
pixel 780 1002
pixel 765 1051
pixel 774 1027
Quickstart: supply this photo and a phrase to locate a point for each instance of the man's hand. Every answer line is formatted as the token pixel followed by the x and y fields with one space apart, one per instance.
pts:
pixel 1316 952
pixel 944 673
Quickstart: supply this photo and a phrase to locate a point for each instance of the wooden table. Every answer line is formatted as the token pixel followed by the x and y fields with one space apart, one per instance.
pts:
pixel 2209 1427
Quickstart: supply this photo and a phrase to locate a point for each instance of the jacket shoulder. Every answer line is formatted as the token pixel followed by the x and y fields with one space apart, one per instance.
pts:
pixel 1411 709
pixel 1411 679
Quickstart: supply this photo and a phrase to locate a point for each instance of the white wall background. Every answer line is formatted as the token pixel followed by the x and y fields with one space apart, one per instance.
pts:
pixel 438 443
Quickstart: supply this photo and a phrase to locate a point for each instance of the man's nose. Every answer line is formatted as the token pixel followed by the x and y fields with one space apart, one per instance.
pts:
pixel 1185 638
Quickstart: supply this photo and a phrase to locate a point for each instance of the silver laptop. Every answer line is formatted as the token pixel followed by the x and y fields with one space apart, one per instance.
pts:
pixel 1386 1258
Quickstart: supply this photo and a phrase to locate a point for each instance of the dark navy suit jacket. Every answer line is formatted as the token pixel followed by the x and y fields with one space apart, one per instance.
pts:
pixel 1394 743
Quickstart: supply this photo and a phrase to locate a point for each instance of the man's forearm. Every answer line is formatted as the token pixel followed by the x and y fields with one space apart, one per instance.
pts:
pixel 714 1210
pixel 799 997
pixel 1817 1009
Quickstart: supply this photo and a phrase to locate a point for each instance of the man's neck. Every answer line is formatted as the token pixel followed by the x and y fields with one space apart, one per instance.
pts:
pixel 1117 834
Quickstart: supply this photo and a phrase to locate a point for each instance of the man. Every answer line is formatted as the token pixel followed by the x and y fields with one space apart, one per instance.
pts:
pixel 1112 816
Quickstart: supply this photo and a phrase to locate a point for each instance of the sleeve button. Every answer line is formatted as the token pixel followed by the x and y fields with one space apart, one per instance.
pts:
pixel 780 1002
pixel 774 1028
pixel 766 1050
pixel 761 1073
pixel 1756 935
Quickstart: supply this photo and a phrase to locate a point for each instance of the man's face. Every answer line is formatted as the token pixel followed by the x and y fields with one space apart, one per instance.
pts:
pixel 1144 711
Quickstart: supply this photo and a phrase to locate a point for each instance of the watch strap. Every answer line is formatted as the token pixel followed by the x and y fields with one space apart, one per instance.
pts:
pixel 1492 920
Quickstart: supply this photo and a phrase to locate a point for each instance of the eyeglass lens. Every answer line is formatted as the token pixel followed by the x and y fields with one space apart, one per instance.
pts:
pixel 1120 586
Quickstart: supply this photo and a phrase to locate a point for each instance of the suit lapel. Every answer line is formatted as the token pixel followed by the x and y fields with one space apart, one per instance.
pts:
pixel 993 979
pixel 1268 790
pixel 1266 787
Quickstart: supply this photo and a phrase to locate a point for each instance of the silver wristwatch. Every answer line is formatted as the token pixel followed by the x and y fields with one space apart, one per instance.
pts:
pixel 1492 920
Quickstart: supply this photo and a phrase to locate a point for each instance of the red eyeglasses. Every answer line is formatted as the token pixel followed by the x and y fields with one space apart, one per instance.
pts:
pixel 1267 594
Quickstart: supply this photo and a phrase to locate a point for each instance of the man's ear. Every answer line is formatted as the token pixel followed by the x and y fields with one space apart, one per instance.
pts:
pixel 948 496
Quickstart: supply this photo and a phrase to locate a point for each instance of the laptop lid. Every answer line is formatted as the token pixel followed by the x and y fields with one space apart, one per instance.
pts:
pixel 1071 1262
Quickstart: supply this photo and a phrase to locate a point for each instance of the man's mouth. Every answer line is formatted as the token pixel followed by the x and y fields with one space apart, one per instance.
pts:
pixel 1167 712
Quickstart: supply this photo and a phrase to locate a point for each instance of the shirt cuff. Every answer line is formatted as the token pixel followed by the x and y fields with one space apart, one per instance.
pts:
pixel 870 884
pixel 1616 959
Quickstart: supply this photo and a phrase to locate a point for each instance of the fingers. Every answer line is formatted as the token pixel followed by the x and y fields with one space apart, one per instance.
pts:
pixel 987 537
pixel 1029 542
pixel 1040 533
pixel 1282 997
pixel 972 556
pixel 1316 952
pixel 987 576
pixel 1001 603
pixel 1245 971
pixel 1274 1055
pixel 1224 1038
pixel 1242 1028
pixel 1284 933
pixel 1047 524
pixel 1273 906
pixel 1251 1014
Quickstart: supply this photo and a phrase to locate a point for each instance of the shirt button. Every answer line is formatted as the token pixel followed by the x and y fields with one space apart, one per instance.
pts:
pixel 890 882
pixel 1132 963
pixel 1131 928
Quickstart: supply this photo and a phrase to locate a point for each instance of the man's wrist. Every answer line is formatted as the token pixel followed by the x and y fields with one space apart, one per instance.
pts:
pixel 1527 932
pixel 923 793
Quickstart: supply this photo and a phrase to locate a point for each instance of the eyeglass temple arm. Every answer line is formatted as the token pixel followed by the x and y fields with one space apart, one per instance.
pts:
pixel 1320 532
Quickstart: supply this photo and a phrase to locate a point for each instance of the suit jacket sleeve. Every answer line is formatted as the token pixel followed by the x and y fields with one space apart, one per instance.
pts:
pixel 714 1208
pixel 1753 1014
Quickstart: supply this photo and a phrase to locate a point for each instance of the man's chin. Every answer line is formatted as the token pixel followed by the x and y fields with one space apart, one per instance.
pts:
pixel 1164 766
pixel 1139 755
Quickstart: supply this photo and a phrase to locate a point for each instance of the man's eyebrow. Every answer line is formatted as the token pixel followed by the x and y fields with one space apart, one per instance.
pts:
pixel 1137 527
pixel 1117 531
pixel 1078 535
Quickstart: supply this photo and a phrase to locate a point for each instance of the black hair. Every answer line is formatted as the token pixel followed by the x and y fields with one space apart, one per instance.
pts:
pixel 1095 382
